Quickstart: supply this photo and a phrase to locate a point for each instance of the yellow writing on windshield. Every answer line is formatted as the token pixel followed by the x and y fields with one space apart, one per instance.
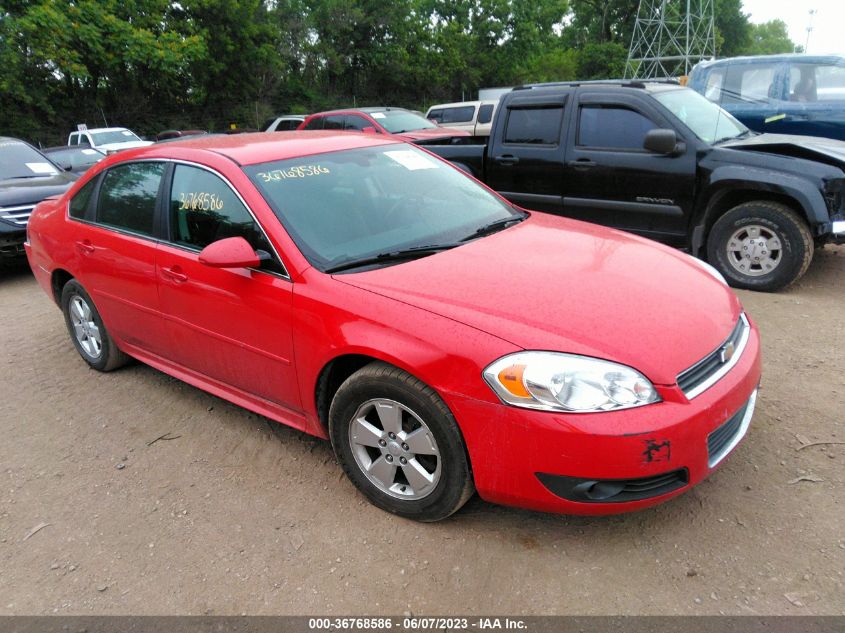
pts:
pixel 303 171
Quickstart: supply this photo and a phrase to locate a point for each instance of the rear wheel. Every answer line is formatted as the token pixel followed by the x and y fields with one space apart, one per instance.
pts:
pixel 399 444
pixel 760 245
pixel 87 331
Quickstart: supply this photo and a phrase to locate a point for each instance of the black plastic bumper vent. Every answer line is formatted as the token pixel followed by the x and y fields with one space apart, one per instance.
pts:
pixel 614 490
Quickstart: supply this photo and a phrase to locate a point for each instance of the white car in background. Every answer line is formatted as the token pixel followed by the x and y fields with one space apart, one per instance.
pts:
pixel 107 139
pixel 475 117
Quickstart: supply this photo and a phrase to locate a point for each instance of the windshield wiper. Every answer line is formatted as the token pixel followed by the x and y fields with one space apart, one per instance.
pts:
pixel 391 256
pixel 734 138
pixel 498 225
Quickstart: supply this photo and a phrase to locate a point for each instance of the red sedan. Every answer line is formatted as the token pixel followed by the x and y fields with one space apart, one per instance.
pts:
pixel 402 123
pixel 360 289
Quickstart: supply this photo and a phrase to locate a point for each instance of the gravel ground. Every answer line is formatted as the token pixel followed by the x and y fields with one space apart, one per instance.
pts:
pixel 237 514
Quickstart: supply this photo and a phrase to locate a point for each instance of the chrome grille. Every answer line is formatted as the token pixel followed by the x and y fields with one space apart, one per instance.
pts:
pixel 706 372
pixel 17 215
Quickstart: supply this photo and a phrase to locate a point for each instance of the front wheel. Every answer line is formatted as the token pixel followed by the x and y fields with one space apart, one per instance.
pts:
pixel 399 444
pixel 760 245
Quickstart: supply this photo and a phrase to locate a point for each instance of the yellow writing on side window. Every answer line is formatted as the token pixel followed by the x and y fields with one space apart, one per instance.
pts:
pixel 200 201
pixel 303 171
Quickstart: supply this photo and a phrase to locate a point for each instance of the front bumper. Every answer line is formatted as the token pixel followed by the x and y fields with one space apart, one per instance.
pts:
pixel 838 231
pixel 536 459
pixel 11 241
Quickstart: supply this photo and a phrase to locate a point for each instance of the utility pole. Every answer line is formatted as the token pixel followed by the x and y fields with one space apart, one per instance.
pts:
pixel 809 30
pixel 670 37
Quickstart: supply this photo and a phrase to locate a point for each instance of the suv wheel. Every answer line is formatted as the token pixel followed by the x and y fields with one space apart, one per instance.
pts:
pixel 399 444
pixel 760 245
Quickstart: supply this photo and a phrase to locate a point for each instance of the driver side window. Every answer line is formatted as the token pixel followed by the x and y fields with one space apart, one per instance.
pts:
pixel 204 209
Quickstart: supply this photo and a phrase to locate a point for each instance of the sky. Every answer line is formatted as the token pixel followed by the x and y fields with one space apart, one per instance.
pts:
pixel 828 22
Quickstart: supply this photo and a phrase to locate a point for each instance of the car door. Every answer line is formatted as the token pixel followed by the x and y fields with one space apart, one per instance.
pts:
pixel 612 180
pixel 232 325
pixel 112 226
pixel 525 164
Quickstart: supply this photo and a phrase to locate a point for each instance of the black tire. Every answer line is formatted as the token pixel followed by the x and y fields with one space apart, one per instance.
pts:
pixel 109 356
pixel 768 218
pixel 382 381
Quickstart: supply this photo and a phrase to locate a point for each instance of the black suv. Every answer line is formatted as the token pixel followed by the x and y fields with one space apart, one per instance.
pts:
pixel 662 161
pixel 26 178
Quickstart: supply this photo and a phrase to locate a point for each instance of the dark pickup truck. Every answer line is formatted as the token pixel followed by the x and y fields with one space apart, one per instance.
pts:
pixel 662 161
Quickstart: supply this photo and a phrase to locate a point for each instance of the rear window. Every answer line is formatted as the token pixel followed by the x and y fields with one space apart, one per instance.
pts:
pixel 462 114
pixel 533 126
pixel 79 203
pixel 128 196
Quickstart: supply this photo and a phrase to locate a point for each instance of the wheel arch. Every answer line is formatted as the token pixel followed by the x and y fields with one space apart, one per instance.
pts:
pixel 732 186
pixel 58 279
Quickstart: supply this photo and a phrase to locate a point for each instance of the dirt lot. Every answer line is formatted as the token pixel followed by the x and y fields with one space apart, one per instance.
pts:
pixel 241 515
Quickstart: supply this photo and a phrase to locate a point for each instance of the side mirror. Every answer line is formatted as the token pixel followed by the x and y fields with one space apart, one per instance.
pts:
pixel 661 141
pixel 232 252
pixel 369 130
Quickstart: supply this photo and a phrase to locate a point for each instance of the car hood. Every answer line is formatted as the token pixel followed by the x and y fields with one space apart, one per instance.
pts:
pixel 551 283
pixel 431 134
pixel 21 191
pixel 117 147
pixel 815 148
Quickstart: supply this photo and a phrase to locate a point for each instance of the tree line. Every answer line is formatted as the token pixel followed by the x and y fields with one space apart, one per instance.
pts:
pixel 158 64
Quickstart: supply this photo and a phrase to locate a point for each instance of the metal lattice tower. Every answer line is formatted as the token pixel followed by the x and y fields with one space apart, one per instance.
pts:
pixel 670 37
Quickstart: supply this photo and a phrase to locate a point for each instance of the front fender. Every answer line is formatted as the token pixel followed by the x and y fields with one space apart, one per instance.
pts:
pixel 732 178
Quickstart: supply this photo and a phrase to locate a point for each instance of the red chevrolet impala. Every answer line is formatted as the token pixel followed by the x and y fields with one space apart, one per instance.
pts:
pixel 359 289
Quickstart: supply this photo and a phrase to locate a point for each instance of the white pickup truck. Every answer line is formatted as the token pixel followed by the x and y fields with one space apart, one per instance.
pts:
pixel 107 139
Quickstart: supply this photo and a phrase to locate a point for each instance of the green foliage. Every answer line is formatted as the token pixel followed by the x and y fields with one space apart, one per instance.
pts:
pixel 158 64
pixel 770 38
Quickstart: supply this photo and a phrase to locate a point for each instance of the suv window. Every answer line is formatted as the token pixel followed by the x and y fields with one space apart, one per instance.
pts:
pixel 816 82
pixel 485 113
pixel 204 209
pixel 79 202
pixel 462 114
pixel 612 127
pixel 534 126
pixel 128 196
pixel 748 83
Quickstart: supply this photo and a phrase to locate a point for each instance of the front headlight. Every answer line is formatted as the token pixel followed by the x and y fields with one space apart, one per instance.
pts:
pixel 553 381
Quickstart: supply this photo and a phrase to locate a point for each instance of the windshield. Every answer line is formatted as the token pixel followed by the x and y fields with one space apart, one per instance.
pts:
pixel 115 136
pixel 347 206
pixel 707 120
pixel 19 160
pixel 397 121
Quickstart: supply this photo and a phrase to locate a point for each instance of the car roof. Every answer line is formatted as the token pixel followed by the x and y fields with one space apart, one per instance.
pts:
pixel 458 104
pixel 651 85
pixel 783 57
pixel 366 110
pixel 103 129
pixel 261 147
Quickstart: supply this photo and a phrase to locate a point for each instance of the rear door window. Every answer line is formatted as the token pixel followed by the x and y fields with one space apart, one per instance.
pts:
pixel 748 83
pixel 315 124
pixel 533 126
pixel 128 197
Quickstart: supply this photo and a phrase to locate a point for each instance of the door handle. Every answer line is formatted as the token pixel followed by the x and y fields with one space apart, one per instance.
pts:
pixel 85 247
pixel 582 163
pixel 175 274
pixel 506 160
